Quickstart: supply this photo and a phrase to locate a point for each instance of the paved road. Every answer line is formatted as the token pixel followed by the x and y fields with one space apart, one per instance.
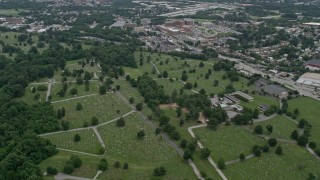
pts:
pixel 62 176
pixel 99 137
pixel 98 173
pixel 164 136
pixel 265 118
pixel 201 146
pixel 78 97
pixel 90 127
pixel 313 153
pixel 79 152
pixel 238 160
pixel 49 89
pixel 155 67
pixel 303 90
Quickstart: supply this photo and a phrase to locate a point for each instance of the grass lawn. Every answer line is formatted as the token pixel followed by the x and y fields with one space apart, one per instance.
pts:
pixel 103 107
pixel 228 142
pixel 282 127
pixel 88 143
pixel 169 86
pixel 295 163
pixel 93 89
pixel 128 91
pixel 11 12
pixel 28 97
pixel 147 153
pixel 10 38
pixel 123 142
pixel 258 100
pixel 58 161
pixel 309 110
pixel 133 72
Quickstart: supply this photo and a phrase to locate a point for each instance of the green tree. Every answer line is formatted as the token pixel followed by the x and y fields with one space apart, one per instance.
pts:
pixel 140 134
pixel 183 143
pixel 79 107
pixel 279 150
pixel 125 166
pixel 103 165
pixel 102 90
pixel 258 129
pixel 187 155
pixel 269 128
pixel 221 164
pixel 303 140
pixel 205 153
pixel 131 100
pixel 52 171
pixel 294 135
pixel 272 142
pixel 139 106
pixel 76 138
pixel 94 121
pixel 242 156
pixel 121 122
pixel 159 171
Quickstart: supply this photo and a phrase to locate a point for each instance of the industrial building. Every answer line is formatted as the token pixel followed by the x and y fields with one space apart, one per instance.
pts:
pixel 311 79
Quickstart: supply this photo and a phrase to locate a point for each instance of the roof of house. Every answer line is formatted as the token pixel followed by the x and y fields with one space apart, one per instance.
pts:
pixel 313 62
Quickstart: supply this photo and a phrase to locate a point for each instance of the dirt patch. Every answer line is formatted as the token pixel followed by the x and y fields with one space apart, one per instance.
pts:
pixel 172 106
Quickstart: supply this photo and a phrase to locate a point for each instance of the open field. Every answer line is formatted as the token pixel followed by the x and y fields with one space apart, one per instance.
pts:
pixel 104 107
pixel 122 144
pixel 169 86
pixel 11 12
pixel 309 110
pixel 88 143
pixel 295 163
pixel 259 100
pixel 228 142
pixel 128 91
pixel 58 161
pixel 93 89
pixel 282 127
pixel 28 97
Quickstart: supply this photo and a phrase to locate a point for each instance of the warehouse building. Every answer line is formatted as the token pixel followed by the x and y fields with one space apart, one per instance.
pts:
pixel 311 79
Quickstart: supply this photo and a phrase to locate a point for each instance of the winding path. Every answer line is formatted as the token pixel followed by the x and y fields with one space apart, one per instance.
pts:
pixel 201 146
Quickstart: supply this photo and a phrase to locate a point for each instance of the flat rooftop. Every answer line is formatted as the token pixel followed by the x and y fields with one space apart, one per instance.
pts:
pixel 314 76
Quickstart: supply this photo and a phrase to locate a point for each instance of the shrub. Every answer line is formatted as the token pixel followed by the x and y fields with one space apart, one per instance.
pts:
pixel 242 157
pixel 116 164
pixel 221 164
pixel 279 150
pixel 159 171
pixel 125 166
pixel 257 152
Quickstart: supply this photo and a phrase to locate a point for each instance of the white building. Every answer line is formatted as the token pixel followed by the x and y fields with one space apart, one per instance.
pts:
pixel 311 79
